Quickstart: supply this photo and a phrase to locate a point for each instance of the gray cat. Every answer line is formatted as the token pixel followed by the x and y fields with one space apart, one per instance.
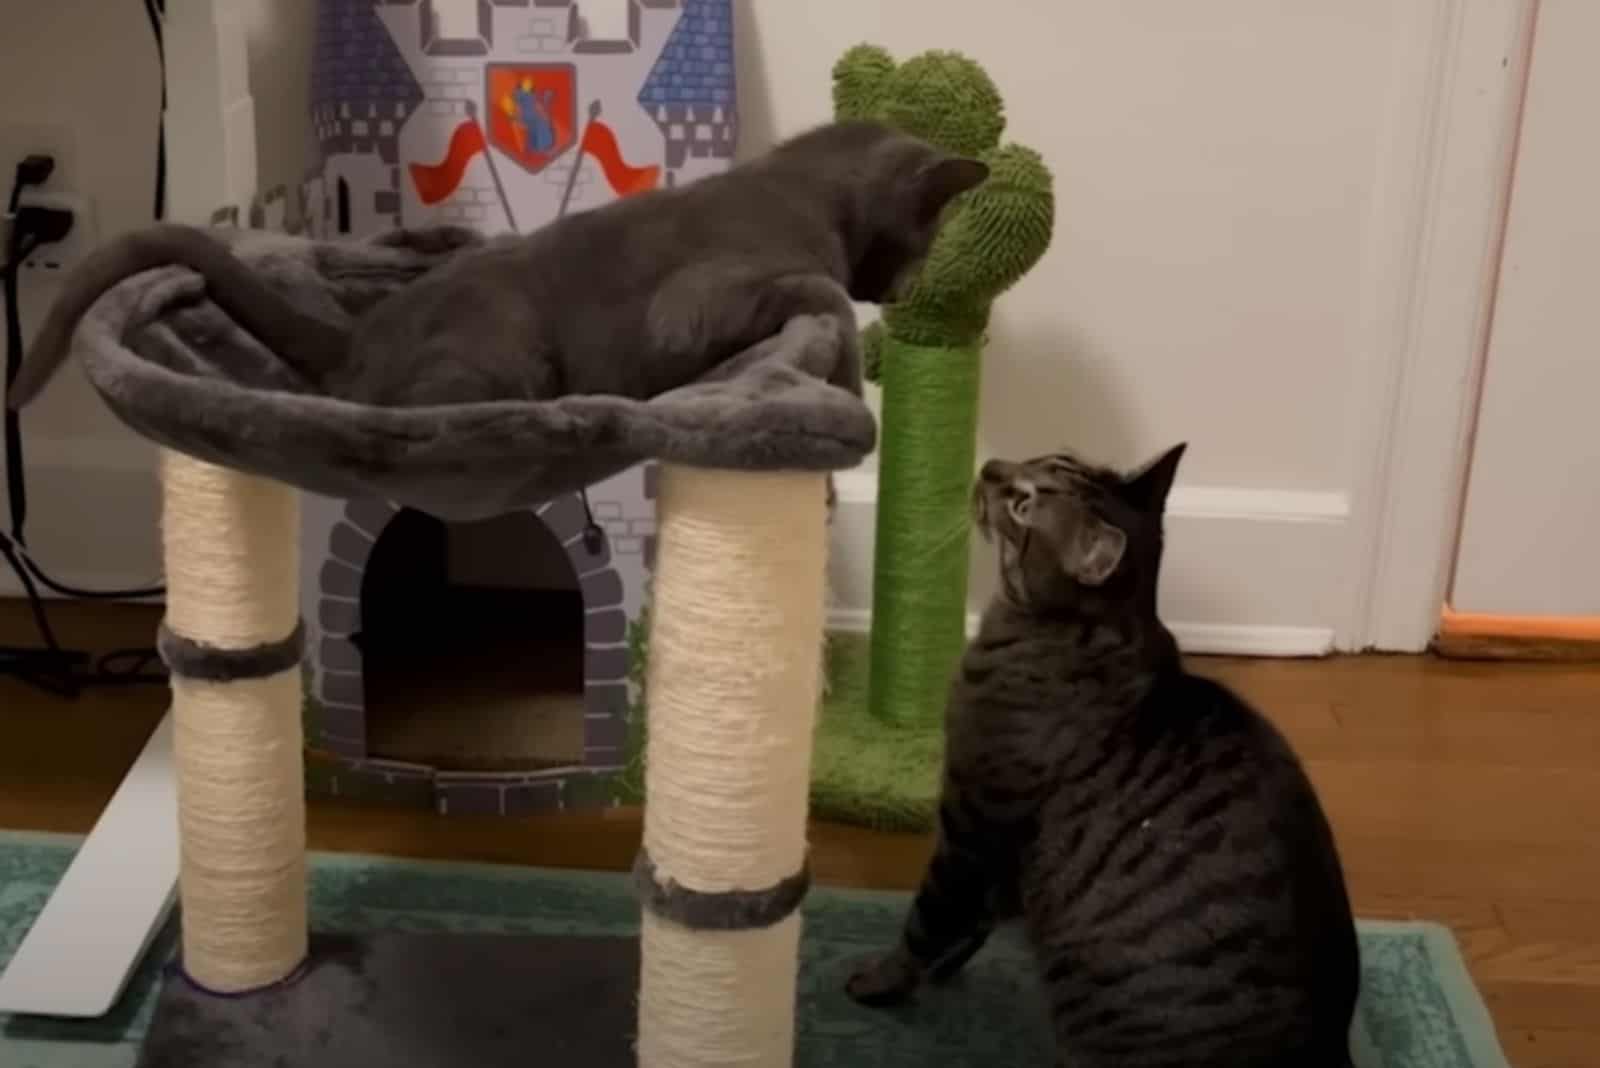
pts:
pixel 633 298
pixel 1158 839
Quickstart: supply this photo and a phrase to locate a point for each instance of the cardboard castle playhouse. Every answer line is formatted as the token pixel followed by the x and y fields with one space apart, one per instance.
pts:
pixel 486 667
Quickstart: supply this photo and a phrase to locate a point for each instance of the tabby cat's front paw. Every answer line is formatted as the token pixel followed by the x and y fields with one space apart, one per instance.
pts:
pixel 883 981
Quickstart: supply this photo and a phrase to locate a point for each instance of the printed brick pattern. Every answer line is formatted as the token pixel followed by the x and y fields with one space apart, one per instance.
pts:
pixel 604 665
pixel 339 580
pixel 349 748
pixel 338 616
pixel 477 44
pixel 350 544
pixel 532 797
pixel 516 795
pixel 370 516
pixel 609 733
pixel 564 516
pixel 337 654
pixel 471 799
pixel 343 722
pixel 490 794
pixel 358 76
pixel 340 687
pixel 605 627
pixel 343 689
pixel 691 88
pixel 546 34
pixel 696 63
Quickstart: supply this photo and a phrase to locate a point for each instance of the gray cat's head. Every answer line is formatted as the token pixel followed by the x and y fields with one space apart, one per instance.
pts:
pixel 1066 528
pixel 891 190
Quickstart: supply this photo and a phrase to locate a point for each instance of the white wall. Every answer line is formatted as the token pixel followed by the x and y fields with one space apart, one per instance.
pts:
pixel 1224 176
pixel 1222 231
pixel 1532 516
pixel 1213 166
pixel 80 78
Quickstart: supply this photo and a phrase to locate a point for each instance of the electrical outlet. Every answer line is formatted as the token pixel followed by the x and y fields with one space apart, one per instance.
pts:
pixel 20 139
pixel 60 255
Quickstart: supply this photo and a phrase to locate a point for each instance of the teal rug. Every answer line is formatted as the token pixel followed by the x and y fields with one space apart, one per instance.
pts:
pixel 1419 1009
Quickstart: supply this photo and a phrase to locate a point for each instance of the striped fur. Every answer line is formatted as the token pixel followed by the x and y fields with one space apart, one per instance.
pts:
pixel 1155 836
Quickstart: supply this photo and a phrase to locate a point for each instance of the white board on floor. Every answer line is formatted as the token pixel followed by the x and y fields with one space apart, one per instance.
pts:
pixel 85 944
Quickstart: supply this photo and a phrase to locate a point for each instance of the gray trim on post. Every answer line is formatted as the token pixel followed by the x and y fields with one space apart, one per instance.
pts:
pixel 732 910
pixel 190 659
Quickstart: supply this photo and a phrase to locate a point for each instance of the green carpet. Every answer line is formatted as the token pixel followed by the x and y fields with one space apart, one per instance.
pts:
pixel 1419 1009
pixel 867 772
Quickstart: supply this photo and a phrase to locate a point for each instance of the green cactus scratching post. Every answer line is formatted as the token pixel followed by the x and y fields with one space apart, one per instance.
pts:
pixel 877 761
pixel 926 356
pixel 920 562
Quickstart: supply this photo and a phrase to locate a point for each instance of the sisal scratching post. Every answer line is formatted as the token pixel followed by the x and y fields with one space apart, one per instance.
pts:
pixel 919 580
pixel 734 683
pixel 232 641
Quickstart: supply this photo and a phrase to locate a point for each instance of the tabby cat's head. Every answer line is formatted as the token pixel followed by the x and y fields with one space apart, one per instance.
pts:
pixel 1065 527
pixel 893 189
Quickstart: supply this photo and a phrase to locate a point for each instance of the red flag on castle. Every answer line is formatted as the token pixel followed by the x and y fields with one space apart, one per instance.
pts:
pixel 600 142
pixel 435 182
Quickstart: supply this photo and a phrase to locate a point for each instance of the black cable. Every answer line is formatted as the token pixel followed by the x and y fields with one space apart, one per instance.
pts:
pixel 16 252
pixel 157 11
pixel 35 602
pixel 16 472
pixel 52 668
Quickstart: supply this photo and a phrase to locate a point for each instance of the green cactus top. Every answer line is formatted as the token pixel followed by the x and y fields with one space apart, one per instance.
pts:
pixel 992 235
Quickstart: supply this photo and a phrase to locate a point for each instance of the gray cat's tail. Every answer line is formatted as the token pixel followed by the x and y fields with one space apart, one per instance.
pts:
pixel 306 343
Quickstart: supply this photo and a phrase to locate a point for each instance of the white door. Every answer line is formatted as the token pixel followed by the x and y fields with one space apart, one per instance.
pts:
pixel 1530 532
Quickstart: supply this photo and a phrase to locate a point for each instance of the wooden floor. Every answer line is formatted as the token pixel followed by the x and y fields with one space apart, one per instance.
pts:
pixel 1463 793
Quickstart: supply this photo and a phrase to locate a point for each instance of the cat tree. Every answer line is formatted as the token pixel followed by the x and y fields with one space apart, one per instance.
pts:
pixel 733 681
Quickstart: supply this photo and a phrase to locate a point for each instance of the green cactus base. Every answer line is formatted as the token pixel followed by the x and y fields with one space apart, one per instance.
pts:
pixel 866 772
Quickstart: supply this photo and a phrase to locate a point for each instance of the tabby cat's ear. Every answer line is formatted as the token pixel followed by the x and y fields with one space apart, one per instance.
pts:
pixel 942 181
pixel 1094 552
pixel 1148 487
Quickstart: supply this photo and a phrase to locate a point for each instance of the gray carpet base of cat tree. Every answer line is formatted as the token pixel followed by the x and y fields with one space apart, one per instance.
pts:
pixel 415 1001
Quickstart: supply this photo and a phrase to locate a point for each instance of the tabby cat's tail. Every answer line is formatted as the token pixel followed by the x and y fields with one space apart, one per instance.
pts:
pixel 306 343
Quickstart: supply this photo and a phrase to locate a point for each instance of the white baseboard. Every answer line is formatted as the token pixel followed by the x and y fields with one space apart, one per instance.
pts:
pixel 1247 572
pixel 1204 639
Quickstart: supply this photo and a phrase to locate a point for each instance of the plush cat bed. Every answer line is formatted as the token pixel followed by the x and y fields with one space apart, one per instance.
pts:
pixel 178 370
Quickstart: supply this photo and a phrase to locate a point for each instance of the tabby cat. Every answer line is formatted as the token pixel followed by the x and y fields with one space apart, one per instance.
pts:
pixel 1157 838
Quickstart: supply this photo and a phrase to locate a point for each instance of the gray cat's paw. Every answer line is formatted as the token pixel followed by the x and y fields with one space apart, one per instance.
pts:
pixel 430 240
pixel 880 982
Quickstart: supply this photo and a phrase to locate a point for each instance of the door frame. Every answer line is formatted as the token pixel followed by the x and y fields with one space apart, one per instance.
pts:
pixel 1446 166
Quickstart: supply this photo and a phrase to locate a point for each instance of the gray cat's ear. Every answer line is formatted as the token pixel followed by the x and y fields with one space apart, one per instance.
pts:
pixel 942 181
pixel 1094 552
